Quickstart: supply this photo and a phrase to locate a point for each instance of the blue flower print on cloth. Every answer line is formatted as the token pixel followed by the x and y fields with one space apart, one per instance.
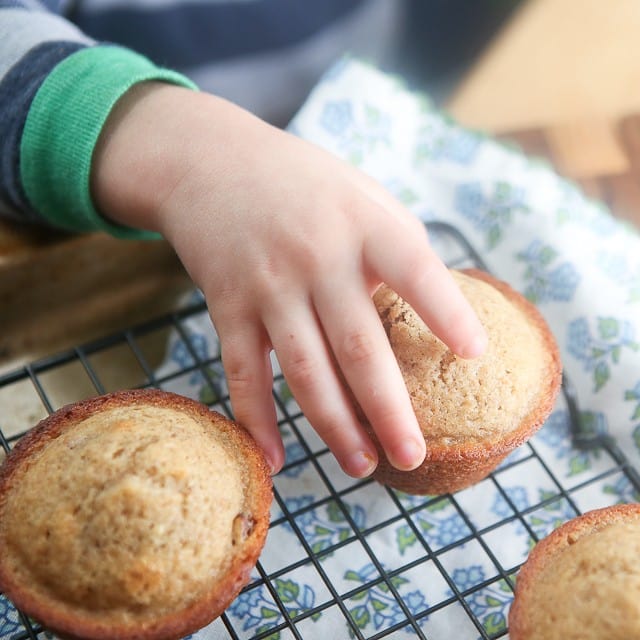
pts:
pixel 548 280
pixel 10 624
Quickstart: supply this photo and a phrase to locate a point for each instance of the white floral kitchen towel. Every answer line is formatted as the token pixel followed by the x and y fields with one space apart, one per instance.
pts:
pixel 346 558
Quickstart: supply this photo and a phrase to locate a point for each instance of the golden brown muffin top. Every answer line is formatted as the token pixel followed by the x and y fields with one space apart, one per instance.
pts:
pixel 127 513
pixel 463 401
pixel 592 590
pixel 584 584
pixel 132 516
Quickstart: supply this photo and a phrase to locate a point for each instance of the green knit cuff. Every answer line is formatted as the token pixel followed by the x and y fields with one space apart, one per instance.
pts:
pixel 62 128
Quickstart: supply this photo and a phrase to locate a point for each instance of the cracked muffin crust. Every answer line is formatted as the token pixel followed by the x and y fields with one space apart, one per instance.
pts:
pixel 472 412
pixel 138 514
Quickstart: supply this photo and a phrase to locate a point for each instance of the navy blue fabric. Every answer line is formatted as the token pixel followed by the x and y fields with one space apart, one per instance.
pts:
pixel 54 6
pixel 187 35
pixel 17 90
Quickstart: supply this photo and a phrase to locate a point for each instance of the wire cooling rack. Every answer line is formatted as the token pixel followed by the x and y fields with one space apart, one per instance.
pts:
pixel 349 558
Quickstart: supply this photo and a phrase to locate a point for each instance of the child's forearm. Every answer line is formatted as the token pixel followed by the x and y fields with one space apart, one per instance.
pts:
pixel 155 136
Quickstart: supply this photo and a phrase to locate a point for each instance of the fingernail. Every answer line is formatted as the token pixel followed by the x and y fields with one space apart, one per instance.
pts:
pixel 360 464
pixel 475 347
pixel 274 467
pixel 408 455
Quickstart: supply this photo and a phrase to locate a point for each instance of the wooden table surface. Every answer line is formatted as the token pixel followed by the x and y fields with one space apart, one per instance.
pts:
pixel 562 78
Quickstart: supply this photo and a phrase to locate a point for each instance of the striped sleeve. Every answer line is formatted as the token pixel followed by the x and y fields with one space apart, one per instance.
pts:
pixel 52 110
pixel 32 42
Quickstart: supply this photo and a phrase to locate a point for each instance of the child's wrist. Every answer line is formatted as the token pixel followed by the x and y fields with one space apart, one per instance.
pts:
pixel 63 125
pixel 132 161
pixel 163 149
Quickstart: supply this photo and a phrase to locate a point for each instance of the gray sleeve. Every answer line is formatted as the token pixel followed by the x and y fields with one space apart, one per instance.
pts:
pixel 33 41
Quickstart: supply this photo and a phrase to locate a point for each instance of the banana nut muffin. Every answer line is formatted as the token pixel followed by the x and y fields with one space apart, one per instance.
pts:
pixel 472 412
pixel 138 514
pixel 582 582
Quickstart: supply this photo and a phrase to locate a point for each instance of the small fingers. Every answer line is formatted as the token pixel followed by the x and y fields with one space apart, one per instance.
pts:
pixel 409 265
pixel 311 376
pixel 245 357
pixel 370 368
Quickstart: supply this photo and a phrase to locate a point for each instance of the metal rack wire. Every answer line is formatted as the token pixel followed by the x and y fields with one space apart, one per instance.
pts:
pixel 344 598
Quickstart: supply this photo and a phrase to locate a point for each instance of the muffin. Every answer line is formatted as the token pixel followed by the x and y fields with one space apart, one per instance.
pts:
pixel 582 582
pixel 138 514
pixel 472 412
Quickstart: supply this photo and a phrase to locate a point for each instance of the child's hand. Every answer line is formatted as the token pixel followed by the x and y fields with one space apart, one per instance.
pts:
pixel 287 243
